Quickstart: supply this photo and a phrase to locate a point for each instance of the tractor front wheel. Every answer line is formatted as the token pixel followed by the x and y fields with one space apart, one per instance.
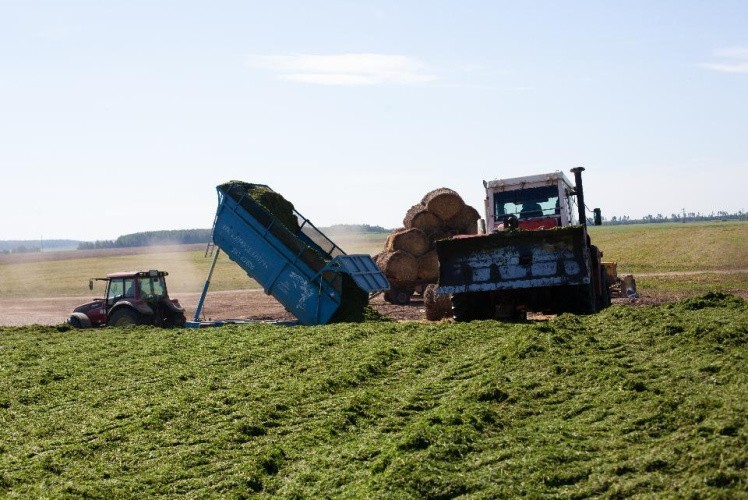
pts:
pixel 124 317
pixel 176 320
pixel 75 322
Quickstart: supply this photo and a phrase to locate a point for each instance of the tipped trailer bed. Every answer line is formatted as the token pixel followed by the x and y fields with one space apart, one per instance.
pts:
pixel 299 266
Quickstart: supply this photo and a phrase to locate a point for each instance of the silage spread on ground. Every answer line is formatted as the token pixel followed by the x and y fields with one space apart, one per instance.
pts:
pixel 631 402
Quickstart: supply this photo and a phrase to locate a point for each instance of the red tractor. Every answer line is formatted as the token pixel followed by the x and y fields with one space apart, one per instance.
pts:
pixel 132 298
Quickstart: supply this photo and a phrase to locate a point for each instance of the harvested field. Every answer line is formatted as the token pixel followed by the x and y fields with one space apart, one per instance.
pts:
pixel 43 288
pixel 255 305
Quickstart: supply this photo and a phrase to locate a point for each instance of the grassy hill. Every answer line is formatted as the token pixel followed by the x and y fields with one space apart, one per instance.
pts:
pixel 633 401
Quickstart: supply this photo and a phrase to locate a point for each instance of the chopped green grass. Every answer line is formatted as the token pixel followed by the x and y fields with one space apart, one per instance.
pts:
pixel 644 401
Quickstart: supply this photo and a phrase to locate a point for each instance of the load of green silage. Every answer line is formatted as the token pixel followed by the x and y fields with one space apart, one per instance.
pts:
pixel 354 301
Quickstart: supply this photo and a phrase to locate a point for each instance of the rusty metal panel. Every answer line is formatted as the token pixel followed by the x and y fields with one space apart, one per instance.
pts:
pixel 511 260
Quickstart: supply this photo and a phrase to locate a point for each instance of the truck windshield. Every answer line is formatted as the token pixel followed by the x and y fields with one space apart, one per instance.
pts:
pixel 152 287
pixel 526 203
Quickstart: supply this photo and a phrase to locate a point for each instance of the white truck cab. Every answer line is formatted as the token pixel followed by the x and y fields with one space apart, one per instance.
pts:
pixel 541 201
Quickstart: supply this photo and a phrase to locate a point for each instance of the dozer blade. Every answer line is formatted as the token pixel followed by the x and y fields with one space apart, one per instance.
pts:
pixel 514 259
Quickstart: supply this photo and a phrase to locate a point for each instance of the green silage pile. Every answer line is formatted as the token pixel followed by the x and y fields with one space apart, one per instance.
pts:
pixel 277 205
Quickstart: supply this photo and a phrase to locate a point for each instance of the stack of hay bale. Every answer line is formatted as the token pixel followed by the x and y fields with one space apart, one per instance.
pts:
pixel 409 258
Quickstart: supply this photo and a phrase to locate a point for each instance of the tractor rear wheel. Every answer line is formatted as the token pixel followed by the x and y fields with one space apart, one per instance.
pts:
pixel 125 317
pixel 176 320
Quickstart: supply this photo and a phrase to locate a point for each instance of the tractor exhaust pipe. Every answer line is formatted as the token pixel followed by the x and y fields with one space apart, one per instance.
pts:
pixel 577 171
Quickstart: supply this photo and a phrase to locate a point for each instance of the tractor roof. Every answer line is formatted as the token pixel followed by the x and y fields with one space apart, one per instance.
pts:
pixel 550 178
pixel 137 274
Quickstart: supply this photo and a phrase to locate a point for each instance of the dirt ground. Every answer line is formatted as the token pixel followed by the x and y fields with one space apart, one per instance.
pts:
pixel 237 304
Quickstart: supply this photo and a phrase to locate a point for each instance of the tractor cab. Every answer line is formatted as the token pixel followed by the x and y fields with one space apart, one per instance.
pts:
pixel 131 298
pixel 142 286
pixel 534 202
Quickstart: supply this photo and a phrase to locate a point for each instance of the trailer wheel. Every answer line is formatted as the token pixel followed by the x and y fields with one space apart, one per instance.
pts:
pixel 124 317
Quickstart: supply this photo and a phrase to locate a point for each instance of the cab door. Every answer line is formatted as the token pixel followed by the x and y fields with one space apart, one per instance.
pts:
pixel 115 291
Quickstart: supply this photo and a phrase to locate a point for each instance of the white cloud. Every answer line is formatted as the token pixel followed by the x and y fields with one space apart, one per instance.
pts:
pixel 345 69
pixel 732 60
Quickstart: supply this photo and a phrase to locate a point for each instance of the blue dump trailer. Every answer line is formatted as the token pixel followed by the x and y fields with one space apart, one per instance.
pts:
pixel 289 257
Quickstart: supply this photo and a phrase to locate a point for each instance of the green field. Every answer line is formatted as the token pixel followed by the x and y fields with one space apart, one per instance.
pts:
pixel 657 248
pixel 641 248
pixel 647 401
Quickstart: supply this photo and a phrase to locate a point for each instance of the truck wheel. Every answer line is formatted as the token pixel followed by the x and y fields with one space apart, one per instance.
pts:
pixel 588 300
pixel 604 289
pixel 124 317
pixel 470 306
pixel 461 310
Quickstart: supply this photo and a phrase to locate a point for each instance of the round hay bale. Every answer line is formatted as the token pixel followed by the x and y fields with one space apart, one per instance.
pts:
pixel 399 266
pixel 377 258
pixel 420 218
pixel 428 266
pixel 413 241
pixel 441 234
pixel 465 222
pixel 443 202
pixel 438 306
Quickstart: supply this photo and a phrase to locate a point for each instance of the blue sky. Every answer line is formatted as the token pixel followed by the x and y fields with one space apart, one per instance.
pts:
pixel 123 116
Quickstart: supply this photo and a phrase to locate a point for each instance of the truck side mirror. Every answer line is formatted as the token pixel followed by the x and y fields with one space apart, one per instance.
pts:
pixel 598 216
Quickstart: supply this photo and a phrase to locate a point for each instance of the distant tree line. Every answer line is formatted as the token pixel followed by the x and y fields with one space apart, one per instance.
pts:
pixel 32 246
pixel 354 228
pixel 21 249
pixel 150 238
pixel 683 216
pixel 187 236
